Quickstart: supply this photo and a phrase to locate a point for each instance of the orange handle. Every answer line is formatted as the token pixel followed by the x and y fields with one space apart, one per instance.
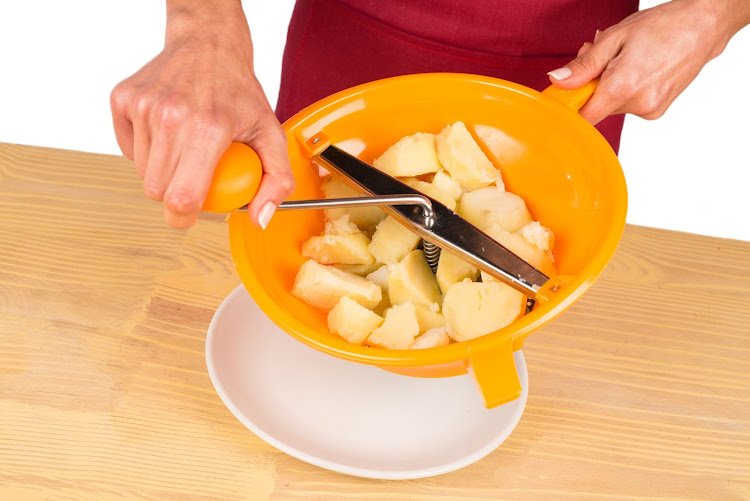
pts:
pixel 572 98
pixel 236 179
pixel 494 371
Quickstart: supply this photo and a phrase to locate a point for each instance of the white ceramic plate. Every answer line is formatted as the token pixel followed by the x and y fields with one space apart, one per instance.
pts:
pixel 343 416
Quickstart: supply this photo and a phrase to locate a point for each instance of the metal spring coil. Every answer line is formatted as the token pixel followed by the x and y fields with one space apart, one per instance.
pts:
pixel 431 253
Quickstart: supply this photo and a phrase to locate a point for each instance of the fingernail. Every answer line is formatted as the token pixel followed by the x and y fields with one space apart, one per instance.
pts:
pixel 560 73
pixel 596 35
pixel 266 213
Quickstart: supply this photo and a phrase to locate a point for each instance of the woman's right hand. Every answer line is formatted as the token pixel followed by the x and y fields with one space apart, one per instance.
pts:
pixel 178 114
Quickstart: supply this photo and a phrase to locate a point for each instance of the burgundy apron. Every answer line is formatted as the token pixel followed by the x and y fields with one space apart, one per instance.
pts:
pixel 336 44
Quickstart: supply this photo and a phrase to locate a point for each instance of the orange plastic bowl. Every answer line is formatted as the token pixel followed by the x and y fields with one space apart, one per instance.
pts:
pixel 550 156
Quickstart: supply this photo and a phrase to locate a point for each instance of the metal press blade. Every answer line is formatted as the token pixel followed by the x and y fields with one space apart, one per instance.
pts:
pixel 442 226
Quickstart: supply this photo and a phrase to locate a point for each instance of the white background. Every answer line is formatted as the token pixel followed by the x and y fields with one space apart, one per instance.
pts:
pixel 688 171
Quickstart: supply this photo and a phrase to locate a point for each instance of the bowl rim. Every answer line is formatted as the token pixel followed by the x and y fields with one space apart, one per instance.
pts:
pixel 519 329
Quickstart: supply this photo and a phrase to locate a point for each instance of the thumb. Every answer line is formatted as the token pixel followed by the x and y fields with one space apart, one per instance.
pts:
pixel 588 65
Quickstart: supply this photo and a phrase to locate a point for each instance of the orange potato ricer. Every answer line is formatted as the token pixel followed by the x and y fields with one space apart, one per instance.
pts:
pixel 548 155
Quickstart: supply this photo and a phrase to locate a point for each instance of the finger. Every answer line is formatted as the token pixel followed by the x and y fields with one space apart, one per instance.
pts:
pixel 166 121
pixel 162 161
pixel 141 147
pixel 608 99
pixel 584 48
pixel 201 150
pixel 278 182
pixel 588 65
pixel 119 101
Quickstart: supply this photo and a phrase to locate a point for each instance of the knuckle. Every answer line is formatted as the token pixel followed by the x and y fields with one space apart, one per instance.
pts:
pixel 648 104
pixel 171 110
pixel 587 62
pixel 620 89
pixel 182 201
pixel 120 97
pixel 652 102
pixel 143 103
pixel 286 183
pixel 652 116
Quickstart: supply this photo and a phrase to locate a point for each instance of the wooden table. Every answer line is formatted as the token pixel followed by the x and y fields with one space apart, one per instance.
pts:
pixel 641 390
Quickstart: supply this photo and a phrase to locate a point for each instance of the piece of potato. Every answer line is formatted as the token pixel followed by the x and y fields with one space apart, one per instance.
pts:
pixel 352 321
pixel 473 309
pixel 490 206
pixel 410 156
pixel 359 269
pixel 452 269
pixel 429 318
pixel 324 286
pixel 462 157
pixel 523 249
pixel 444 183
pixel 398 330
pixel 348 249
pixel 366 218
pixel 539 235
pixel 430 190
pixel 380 277
pixel 392 241
pixel 431 339
pixel 412 280
pixel 500 147
pixel 341 226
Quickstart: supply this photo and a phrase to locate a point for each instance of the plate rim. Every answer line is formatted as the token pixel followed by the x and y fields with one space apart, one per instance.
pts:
pixel 339 467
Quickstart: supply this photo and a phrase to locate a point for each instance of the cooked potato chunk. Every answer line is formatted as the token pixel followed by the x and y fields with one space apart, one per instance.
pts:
pixel 341 226
pixel 490 206
pixel 473 309
pixel 410 156
pixel 352 321
pixel 431 339
pixel 523 249
pixel 392 241
pixel 538 235
pixel 348 249
pixel 398 330
pixel 359 269
pixel 412 280
pixel 462 157
pixel 324 286
pixel 380 277
pixel 429 318
pixel 446 184
pixel 366 218
pixel 430 190
pixel 452 269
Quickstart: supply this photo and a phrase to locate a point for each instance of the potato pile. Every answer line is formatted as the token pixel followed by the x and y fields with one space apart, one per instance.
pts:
pixel 367 271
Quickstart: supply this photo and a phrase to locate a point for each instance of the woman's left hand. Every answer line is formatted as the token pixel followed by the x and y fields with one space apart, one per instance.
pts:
pixel 648 59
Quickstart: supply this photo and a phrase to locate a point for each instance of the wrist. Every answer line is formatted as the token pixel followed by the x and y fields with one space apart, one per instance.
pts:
pixel 724 17
pixel 200 19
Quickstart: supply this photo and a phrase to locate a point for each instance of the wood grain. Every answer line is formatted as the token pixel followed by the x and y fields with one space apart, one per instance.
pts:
pixel 641 390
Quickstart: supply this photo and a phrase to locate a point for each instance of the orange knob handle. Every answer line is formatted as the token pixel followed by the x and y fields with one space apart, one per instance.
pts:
pixel 236 179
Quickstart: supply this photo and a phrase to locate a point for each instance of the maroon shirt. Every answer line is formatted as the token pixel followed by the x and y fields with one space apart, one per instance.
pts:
pixel 336 44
